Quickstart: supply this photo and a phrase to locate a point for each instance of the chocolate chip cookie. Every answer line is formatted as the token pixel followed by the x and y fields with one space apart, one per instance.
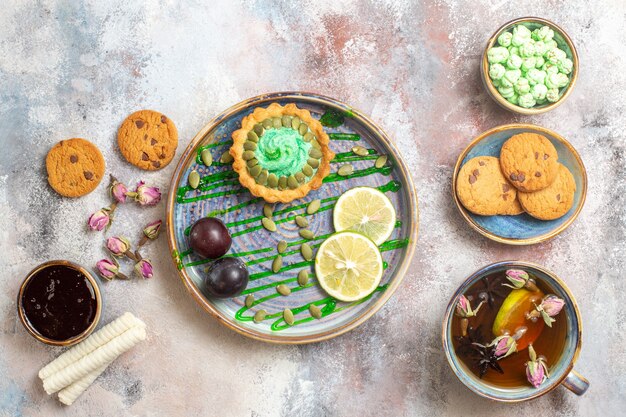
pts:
pixel 148 139
pixel 483 190
pixel 551 202
pixel 75 167
pixel 529 161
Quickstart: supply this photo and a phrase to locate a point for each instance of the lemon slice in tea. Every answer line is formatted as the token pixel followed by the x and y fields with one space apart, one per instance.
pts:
pixel 365 210
pixel 348 266
pixel 512 317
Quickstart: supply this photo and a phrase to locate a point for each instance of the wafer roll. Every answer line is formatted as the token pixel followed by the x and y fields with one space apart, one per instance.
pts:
pixel 70 393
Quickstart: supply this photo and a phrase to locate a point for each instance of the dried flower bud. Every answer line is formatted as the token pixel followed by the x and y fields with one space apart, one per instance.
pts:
pixel 550 306
pixel 146 196
pixel 107 269
pixel 100 219
pixel 118 191
pixel 118 245
pixel 504 346
pixel 151 231
pixel 464 308
pixel 536 368
pixel 143 268
pixel 517 278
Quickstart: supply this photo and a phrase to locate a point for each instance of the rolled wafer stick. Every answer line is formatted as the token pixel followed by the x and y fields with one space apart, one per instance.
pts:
pixel 70 393
pixel 99 338
pixel 94 360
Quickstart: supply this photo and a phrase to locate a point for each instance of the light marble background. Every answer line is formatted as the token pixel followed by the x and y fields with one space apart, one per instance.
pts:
pixel 70 68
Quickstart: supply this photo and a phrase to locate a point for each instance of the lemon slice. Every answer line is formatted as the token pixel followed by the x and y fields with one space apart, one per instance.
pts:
pixel 365 210
pixel 348 266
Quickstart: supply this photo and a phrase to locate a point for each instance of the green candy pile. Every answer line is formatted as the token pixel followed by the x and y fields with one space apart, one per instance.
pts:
pixel 528 68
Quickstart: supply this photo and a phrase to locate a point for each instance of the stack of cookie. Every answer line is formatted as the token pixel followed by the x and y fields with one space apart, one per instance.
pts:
pixel 526 178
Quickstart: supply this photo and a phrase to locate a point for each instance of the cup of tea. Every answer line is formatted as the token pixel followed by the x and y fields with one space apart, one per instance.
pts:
pixel 512 332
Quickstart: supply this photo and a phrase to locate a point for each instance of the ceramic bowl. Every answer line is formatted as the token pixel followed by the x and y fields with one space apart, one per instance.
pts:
pixel 73 340
pixel 561 372
pixel 564 42
pixel 521 229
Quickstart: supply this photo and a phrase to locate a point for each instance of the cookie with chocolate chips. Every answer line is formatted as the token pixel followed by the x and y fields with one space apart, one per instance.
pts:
pixel 551 202
pixel 148 139
pixel 483 190
pixel 75 167
pixel 529 161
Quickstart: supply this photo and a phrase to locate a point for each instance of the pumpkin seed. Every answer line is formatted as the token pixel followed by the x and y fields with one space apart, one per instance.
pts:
pixel 316 144
pixel 249 145
pixel 313 162
pixel 307 170
pixel 315 153
pixel 272 181
pixel 315 311
pixel 282 246
pixel 277 122
pixel 301 221
pixel 252 163
pixel 380 161
pixel 292 182
pixel 248 155
pixel 303 128
pixel 193 179
pixel 282 182
pixel 288 316
pixel 300 177
pixel 262 178
pixel 283 290
pixel 286 121
pixel 255 170
pixel 313 206
pixel 259 316
pixel 277 263
pixel 207 158
pixel 268 224
pixel 306 251
pixel 253 137
pixel 268 210
pixel 258 129
pixel 249 300
pixel 308 137
pixel 226 158
pixel 307 234
pixel 345 170
pixel 267 124
pixel 303 277
pixel 295 123
pixel 359 150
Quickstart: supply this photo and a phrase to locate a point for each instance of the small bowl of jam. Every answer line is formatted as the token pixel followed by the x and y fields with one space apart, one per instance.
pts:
pixel 59 303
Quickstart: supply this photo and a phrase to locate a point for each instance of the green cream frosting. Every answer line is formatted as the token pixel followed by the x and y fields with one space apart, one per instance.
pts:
pixel 282 152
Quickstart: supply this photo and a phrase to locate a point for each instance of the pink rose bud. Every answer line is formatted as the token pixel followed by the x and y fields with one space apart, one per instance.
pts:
pixel 550 306
pixel 107 269
pixel 504 346
pixel 143 268
pixel 118 191
pixel 147 196
pixel 517 278
pixel 100 219
pixel 536 369
pixel 464 308
pixel 151 231
pixel 118 245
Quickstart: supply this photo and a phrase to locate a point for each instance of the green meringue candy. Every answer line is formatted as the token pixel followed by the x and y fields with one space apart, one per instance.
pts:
pixel 556 80
pixel 552 95
pixel 513 50
pixel 543 33
pixel 521 35
pixel 555 56
pixel 539 62
pixel 522 86
pixel 506 92
pixel 514 62
pixel 566 66
pixel 496 71
pixel 513 99
pixel 535 76
pixel 505 39
pixel 539 92
pixel 510 77
pixel 550 68
pixel 497 83
pixel 540 48
pixel 526 100
pixel 497 55
pixel 527 49
pixel 528 63
pixel 550 45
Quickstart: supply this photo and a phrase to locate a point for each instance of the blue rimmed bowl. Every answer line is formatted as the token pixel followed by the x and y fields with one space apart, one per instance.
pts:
pixel 521 229
pixel 220 195
pixel 561 372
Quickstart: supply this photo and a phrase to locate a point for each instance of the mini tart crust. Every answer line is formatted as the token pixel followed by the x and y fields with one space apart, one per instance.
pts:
pixel 272 195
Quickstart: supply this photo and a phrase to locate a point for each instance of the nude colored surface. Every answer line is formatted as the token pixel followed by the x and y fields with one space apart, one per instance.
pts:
pixel 77 69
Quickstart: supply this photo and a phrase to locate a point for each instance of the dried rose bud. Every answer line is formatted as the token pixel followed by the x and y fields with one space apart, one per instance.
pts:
pixel 107 269
pixel 143 268
pixel 100 219
pixel 504 346
pixel 151 231
pixel 536 368
pixel 118 245
pixel 464 308
pixel 118 191
pixel 146 196
pixel 550 306
pixel 520 279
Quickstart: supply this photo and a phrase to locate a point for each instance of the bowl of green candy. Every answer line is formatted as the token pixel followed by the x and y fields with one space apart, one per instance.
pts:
pixel 529 66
